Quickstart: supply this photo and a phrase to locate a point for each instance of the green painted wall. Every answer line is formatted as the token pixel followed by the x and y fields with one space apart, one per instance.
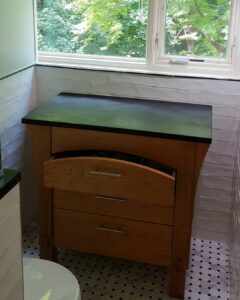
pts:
pixel 17 50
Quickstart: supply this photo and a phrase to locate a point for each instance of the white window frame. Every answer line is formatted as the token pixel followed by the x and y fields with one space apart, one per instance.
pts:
pixel 212 66
pixel 155 62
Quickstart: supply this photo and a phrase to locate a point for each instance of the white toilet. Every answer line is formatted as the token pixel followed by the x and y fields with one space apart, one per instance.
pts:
pixel 46 280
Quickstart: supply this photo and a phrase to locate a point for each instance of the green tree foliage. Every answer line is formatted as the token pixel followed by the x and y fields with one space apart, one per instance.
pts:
pixel 119 27
pixel 197 27
pixel 101 27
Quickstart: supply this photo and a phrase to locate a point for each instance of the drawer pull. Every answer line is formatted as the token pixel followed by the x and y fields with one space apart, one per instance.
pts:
pixel 110 198
pixel 109 230
pixel 101 173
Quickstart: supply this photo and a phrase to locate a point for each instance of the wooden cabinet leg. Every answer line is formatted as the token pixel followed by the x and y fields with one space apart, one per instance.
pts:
pixel 47 250
pixel 184 198
pixel 41 143
pixel 45 222
pixel 189 163
pixel 177 280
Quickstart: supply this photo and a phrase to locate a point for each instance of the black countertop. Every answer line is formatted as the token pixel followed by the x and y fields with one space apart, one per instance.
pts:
pixel 8 181
pixel 191 122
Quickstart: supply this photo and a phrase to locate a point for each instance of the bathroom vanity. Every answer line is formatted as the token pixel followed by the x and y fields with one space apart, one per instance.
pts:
pixel 118 176
pixel 11 274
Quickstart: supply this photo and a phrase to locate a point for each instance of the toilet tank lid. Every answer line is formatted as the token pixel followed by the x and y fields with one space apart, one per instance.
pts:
pixel 46 280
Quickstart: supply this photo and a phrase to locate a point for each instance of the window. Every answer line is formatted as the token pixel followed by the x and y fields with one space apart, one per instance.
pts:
pixel 197 28
pixel 97 27
pixel 184 36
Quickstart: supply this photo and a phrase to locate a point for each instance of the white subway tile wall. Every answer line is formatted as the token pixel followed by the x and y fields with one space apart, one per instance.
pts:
pixel 17 98
pixel 214 194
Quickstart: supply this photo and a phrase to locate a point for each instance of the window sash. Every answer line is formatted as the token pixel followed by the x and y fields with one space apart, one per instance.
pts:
pixel 161 56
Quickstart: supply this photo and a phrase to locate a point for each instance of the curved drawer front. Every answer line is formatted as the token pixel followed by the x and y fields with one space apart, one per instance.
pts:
pixel 146 242
pixel 110 178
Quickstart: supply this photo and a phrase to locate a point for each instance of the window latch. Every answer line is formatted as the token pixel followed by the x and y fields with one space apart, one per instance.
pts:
pixel 233 46
pixel 184 61
pixel 157 40
pixel 178 61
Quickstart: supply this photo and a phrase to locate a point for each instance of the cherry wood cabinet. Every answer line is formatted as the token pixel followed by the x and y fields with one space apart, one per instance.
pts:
pixel 139 208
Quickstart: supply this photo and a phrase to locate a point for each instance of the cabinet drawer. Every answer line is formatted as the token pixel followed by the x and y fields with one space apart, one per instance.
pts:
pixel 140 241
pixel 148 209
pixel 111 178
pixel 69 139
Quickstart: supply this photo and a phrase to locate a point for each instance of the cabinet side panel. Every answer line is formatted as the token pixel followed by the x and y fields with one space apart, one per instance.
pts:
pixel 11 273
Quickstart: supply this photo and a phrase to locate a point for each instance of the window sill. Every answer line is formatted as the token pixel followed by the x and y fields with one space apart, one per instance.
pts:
pixel 139 66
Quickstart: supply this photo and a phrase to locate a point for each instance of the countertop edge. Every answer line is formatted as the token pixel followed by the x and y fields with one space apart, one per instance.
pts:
pixel 10 179
pixel 117 130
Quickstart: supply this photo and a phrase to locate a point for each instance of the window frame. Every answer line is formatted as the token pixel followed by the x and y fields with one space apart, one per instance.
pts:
pixel 155 62
pixel 160 27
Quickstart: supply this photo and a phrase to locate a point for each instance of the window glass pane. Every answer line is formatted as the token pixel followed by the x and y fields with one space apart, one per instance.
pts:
pixel 98 27
pixel 197 28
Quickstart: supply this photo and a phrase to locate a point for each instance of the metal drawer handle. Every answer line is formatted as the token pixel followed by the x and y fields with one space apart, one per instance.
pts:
pixel 109 230
pixel 101 173
pixel 110 198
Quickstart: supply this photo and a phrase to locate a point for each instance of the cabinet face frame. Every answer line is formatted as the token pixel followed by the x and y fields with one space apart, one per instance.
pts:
pixel 184 156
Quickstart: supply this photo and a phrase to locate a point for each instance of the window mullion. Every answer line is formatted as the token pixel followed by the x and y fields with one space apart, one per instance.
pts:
pixel 153 32
pixel 234 34
pixel 236 48
pixel 156 31
pixel 161 29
